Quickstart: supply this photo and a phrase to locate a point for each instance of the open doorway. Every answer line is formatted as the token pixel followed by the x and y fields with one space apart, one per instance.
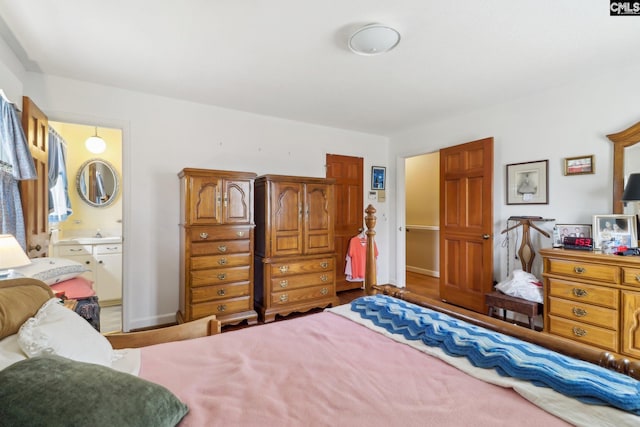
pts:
pixel 92 233
pixel 422 223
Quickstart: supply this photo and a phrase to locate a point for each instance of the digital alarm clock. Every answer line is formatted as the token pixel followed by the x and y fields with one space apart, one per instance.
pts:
pixel 582 243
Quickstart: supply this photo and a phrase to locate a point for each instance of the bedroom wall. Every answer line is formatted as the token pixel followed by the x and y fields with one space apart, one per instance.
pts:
pixel 566 121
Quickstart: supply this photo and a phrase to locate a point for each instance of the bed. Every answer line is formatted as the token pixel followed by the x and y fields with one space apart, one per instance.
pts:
pixel 356 364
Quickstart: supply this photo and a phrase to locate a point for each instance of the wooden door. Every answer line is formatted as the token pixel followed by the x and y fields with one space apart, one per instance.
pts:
pixel 320 212
pixel 349 207
pixel 238 201
pixel 205 194
pixel 287 200
pixel 34 193
pixel 466 223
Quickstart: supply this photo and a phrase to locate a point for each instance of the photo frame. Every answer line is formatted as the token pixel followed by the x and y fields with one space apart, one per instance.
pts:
pixel 378 177
pixel 611 232
pixel 528 183
pixel 560 231
pixel 579 165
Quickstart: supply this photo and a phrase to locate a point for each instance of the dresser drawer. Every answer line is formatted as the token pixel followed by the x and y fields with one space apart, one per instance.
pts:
pixel 220 261
pixel 584 270
pixel 221 308
pixel 115 248
pixel 588 334
pixel 299 267
pixel 302 281
pixel 219 276
pixel 594 315
pixel 219 292
pixel 588 294
pixel 303 294
pixel 72 250
pixel 631 276
pixel 201 234
pixel 220 247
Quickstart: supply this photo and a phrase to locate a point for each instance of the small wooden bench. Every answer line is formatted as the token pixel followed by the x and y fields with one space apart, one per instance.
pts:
pixel 505 302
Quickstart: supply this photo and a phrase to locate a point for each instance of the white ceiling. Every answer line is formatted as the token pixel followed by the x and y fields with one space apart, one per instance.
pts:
pixel 288 58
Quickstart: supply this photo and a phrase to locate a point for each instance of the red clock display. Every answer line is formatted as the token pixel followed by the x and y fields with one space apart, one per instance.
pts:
pixel 585 243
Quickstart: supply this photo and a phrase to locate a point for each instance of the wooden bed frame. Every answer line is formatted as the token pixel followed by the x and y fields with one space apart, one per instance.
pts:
pixel 209 325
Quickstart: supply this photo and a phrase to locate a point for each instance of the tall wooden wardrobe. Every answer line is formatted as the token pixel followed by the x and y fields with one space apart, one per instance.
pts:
pixel 216 245
pixel 294 252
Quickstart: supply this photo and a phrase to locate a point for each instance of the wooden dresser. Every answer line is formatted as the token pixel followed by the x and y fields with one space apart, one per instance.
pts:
pixel 216 245
pixel 294 253
pixel 593 298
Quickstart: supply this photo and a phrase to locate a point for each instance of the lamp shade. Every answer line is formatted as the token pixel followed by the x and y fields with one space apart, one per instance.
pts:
pixel 632 190
pixel 374 39
pixel 95 144
pixel 11 253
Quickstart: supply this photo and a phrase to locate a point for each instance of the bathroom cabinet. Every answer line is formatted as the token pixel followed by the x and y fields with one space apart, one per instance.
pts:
pixel 104 262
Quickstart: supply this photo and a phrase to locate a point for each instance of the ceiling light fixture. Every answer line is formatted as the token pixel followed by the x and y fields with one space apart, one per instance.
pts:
pixel 95 144
pixel 374 39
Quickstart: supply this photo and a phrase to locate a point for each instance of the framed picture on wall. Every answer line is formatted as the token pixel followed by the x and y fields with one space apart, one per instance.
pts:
pixel 378 177
pixel 528 183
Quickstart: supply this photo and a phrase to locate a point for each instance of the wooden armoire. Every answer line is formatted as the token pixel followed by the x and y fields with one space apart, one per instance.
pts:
pixel 294 252
pixel 216 245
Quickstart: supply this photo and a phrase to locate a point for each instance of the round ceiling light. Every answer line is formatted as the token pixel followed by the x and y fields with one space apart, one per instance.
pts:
pixel 95 144
pixel 374 39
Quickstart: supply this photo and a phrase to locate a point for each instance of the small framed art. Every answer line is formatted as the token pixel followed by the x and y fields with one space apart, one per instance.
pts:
pixel 528 183
pixel 560 231
pixel 579 165
pixel 611 232
pixel 378 177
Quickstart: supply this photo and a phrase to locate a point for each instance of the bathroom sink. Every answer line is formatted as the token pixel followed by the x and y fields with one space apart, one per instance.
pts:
pixel 90 240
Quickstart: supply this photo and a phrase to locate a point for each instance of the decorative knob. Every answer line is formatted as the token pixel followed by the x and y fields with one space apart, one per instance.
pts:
pixel 324 264
pixel 324 291
pixel 240 233
pixel 579 312
pixel 222 261
pixel 579 332
pixel 222 248
pixel 284 283
pixel 221 292
pixel 222 307
pixel 284 298
pixel 579 292
pixel 36 247
pixel 204 235
pixel 324 277
pixel 222 276
pixel 579 270
pixel 284 268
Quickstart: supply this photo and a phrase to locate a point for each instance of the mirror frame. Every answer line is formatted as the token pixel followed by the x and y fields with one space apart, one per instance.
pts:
pixel 116 186
pixel 621 140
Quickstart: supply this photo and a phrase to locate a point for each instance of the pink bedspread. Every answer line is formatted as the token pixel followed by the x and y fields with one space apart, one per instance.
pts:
pixel 324 370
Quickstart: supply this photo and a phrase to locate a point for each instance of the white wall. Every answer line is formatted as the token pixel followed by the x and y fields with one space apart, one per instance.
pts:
pixel 160 137
pixel 566 121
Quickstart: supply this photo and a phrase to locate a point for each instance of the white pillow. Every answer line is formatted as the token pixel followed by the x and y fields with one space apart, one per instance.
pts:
pixel 57 330
pixel 52 270
pixel 10 351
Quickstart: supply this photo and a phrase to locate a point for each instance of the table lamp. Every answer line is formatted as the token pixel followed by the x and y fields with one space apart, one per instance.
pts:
pixel 11 255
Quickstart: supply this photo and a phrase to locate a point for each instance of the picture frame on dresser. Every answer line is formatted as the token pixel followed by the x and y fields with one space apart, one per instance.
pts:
pixel 614 231
pixel 560 231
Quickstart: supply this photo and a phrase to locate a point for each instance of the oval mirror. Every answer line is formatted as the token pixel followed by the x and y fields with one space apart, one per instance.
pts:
pixel 97 183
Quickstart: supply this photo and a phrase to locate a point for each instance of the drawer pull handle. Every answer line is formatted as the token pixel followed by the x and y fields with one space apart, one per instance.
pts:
pixel 240 233
pixel 75 250
pixel 87 262
pixel 579 270
pixel 222 276
pixel 579 292
pixel 284 283
pixel 222 248
pixel 222 307
pixel 221 292
pixel 324 264
pixel 284 298
pixel 222 261
pixel 324 291
pixel 204 235
pixel 284 268
pixel 579 332
pixel 324 277
pixel 579 312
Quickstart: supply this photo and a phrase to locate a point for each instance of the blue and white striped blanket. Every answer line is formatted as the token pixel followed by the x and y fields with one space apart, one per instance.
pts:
pixel 507 355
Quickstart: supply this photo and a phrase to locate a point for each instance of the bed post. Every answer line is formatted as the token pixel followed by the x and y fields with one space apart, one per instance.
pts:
pixel 370 266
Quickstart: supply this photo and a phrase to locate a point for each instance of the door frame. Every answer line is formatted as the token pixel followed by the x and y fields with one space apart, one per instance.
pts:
pixel 125 127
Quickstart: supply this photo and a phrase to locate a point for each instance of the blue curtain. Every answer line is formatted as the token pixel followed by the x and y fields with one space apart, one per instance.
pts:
pixel 59 202
pixel 16 164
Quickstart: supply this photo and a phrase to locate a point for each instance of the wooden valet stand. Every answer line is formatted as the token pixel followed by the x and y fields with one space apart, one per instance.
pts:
pixel 526 251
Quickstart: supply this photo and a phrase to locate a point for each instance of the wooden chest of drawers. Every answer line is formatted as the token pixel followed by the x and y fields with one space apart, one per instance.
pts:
pixel 217 235
pixel 593 298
